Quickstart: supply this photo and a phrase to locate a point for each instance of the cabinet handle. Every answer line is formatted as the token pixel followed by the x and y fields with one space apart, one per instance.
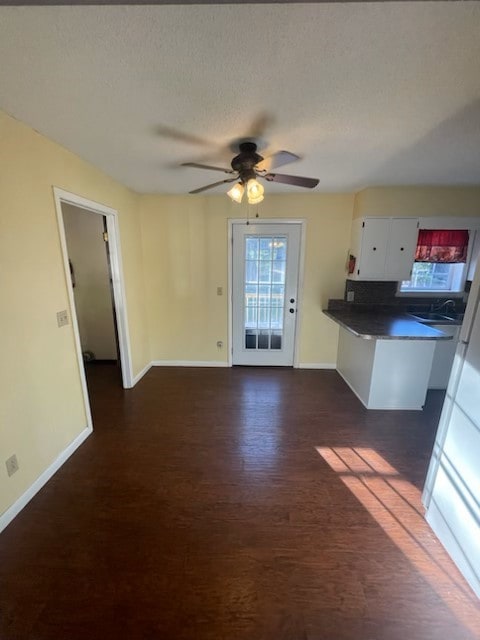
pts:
pixel 401 248
pixel 374 248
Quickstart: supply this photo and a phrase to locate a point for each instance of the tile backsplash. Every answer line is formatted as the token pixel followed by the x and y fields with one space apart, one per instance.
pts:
pixel 384 293
pixel 379 292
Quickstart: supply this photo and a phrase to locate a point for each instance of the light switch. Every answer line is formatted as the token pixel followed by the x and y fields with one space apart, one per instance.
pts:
pixel 219 291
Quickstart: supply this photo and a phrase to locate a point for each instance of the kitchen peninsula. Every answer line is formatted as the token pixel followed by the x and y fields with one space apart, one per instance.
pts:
pixel 384 355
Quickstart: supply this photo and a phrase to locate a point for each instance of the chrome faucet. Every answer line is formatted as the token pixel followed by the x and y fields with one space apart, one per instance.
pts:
pixel 447 305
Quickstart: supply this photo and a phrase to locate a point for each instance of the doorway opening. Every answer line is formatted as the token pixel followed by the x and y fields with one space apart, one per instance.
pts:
pixel 90 276
pixel 94 276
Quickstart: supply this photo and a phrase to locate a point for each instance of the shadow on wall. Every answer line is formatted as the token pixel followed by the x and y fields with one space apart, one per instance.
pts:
pixel 447 145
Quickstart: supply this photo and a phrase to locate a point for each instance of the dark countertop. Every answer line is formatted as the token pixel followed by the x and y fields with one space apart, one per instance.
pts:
pixel 375 325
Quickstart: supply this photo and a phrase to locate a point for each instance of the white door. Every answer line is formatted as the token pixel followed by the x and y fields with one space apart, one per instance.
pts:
pixel 451 492
pixel 264 295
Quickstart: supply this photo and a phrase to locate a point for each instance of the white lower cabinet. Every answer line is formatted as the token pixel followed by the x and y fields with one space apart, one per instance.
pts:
pixel 443 357
pixel 386 374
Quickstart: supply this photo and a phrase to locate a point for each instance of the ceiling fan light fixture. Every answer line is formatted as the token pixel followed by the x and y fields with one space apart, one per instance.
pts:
pixel 236 192
pixel 247 166
pixel 255 191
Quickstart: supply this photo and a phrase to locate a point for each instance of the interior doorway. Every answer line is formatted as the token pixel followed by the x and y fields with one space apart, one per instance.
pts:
pixel 90 278
pixel 89 238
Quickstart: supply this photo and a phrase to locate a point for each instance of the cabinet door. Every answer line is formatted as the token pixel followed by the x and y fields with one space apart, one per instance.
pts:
pixel 374 249
pixel 401 248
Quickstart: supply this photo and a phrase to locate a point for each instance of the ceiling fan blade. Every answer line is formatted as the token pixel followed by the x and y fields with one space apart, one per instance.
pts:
pixel 298 181
pixel 210 186
pixel 182 136
pixel 196 165
pixel 277 160
pixel 260 124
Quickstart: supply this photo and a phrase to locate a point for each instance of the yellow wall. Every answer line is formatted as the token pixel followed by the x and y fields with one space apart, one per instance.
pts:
pixel 417 201
pixel 185 257
pixel 41 406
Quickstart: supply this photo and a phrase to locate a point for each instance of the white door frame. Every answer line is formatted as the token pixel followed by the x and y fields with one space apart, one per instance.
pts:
pixel 301 271
pixel 119 298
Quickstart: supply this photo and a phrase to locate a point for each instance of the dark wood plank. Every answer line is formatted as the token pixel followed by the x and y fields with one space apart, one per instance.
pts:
pixel 211 504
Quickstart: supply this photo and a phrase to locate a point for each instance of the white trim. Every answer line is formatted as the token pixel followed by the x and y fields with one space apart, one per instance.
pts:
pixel 254 221
pixel 141 373
pixel 42 479
pixel 120 299
pixel 189 363
pixel 119 296
pixel 301 274
pixel 301 271
pixel 316 365
pixel 448 222
pixel 218 363
pixel 456 284
pixel 429 293
pixel 230 293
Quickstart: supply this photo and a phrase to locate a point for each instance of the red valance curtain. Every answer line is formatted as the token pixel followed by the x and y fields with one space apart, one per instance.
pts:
pixel 441 245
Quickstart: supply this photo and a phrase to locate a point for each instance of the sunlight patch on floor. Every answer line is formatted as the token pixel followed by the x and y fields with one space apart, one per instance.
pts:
pixel 396 505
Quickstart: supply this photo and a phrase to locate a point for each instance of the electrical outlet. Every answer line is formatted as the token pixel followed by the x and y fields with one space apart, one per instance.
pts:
pixel 62 318
pixel 219 291
pixel 350 296
pixel 12 465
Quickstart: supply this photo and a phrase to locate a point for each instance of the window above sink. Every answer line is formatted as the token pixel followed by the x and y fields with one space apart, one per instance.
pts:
pixel 434 278
pixel 442 261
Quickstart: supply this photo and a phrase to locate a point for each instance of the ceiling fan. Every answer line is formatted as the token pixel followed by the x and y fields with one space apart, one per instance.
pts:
pixel 247 166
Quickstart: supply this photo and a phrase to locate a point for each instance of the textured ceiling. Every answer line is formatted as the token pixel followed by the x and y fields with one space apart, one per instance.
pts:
pixel 368 94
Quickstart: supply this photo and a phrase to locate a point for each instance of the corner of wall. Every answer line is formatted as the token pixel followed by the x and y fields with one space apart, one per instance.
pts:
pixel 357 204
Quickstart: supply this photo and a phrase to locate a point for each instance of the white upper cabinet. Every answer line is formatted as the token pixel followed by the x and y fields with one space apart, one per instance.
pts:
pixel 401 248
pixel 384 248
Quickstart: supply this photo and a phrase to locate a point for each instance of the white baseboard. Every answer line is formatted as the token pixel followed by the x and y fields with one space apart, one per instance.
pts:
pixel 42 480
pixel 316 365
pixel 218 363
pixel 189 363
pixel 141 373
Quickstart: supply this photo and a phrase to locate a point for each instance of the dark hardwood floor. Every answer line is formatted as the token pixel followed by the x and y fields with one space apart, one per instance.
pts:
pixel 224 504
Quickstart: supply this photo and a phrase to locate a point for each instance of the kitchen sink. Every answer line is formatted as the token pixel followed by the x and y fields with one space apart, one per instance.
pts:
pixel 437 318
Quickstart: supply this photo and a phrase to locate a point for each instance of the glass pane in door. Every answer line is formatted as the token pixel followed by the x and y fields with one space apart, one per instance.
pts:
pixel 264 291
